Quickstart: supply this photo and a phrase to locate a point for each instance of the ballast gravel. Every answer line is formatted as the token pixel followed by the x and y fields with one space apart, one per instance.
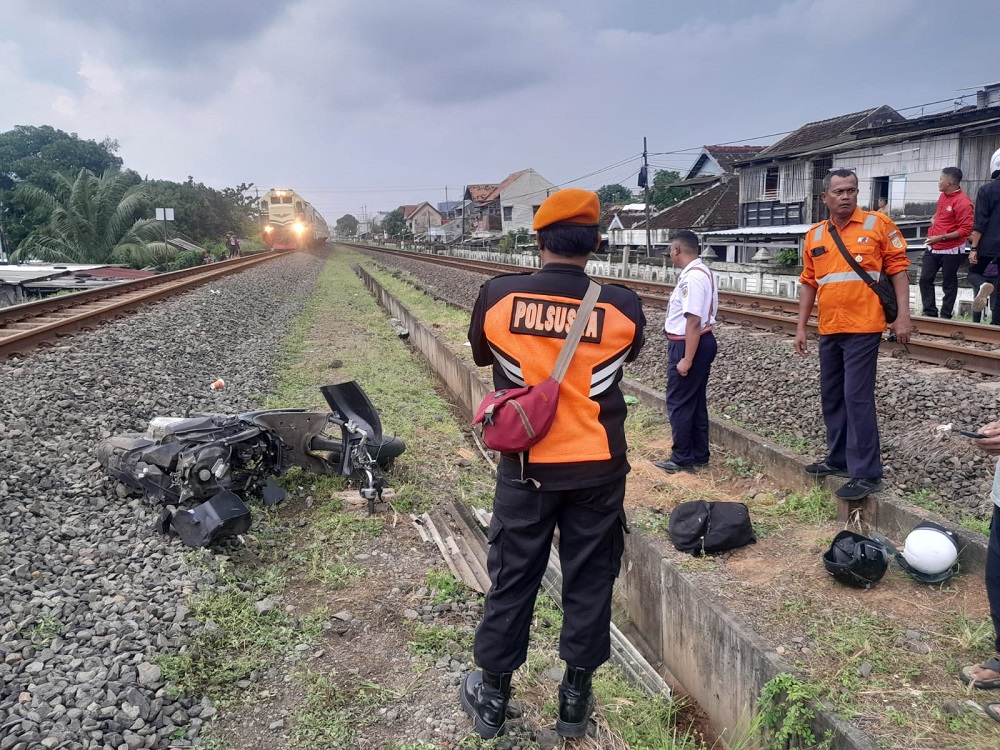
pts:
pixel 90 593
pixel 759 383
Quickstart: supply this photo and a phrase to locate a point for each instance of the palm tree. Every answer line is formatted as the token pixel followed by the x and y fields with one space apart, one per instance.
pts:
pixel 92 220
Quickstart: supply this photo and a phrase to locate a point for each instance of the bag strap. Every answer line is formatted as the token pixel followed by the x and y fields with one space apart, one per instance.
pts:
pixel 576 331
pixel 711 284
pixel 847 256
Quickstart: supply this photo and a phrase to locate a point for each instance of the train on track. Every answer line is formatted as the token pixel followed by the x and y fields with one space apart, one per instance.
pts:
pixel 290 222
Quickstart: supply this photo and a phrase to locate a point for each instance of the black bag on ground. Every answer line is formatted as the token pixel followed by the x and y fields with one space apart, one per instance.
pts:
pixel 701 526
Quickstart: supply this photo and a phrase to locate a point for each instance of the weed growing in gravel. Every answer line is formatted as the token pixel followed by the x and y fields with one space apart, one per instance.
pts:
pixel 435 641
pixel 547 620
pixel 236 640
pixel 925 498
pixel 44 630
pixel 979 525
pixel 444 587
pixel 334 711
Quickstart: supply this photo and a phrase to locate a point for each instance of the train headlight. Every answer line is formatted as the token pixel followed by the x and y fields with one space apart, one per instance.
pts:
pixel 268 229
pixel 299 229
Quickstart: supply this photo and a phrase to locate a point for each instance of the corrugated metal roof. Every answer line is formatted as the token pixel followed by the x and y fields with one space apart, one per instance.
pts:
pixel 26 273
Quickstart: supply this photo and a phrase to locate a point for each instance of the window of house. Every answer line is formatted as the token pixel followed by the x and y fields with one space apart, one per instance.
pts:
pixel 508 213
pixel 771 184
pixel 880 189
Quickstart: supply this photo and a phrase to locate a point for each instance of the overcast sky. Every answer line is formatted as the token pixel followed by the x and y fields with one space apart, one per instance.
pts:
pixel 377 103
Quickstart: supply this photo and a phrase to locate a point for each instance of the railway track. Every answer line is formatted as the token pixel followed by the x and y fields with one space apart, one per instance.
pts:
pixel 948 343
pixel 25 327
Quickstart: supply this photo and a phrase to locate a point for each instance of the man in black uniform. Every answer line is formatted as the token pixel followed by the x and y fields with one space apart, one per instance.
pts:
pixel 574 477
pixel 985 242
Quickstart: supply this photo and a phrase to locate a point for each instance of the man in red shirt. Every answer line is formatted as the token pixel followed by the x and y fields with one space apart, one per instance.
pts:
pixel 951 227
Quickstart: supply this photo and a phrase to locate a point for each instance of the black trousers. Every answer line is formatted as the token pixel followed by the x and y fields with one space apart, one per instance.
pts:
pixel 976 278
pixel 847 366
pixel 930 264
pixel 687 405
pixel 592 529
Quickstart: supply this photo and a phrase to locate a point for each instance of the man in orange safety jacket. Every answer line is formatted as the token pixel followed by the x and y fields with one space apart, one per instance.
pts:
pixel 851 323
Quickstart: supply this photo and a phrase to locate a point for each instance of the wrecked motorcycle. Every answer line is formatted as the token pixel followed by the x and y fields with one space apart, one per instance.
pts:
pixel 210 458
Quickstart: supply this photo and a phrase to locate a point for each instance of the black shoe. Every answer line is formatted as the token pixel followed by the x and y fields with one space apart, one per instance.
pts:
pixel 484 697
pixel 859 489
pixel 576 702
pixel 823 469
pixel 670 467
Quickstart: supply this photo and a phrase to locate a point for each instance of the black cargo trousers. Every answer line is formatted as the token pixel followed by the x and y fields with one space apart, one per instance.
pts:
pixel 592 529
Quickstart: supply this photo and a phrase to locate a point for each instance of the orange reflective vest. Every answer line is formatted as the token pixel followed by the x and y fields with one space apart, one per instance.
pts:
pixel 846 303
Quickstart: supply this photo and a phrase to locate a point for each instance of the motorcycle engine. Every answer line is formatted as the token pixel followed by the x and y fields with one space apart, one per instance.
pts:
pixel 204 471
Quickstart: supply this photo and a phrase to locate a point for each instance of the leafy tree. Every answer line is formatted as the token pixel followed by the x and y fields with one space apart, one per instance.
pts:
pixel 245 202
pixel 33 155
pixel 347 226
pixel 508 243
pixel 200 212
pixel 614 193
pixel 394 224
pixel 92 220
pixel 661 194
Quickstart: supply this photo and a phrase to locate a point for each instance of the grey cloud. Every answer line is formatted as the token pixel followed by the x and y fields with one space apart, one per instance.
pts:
pixel 176 30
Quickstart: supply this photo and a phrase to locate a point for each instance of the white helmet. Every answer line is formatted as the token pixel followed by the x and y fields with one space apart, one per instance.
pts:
pixel 995 161
pixel 930 550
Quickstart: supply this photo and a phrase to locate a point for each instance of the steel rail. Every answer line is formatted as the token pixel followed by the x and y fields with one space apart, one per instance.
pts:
pixel 780 315
pixel 25 327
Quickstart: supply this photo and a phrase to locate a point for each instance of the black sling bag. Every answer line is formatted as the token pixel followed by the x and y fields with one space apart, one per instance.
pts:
pixel 883 287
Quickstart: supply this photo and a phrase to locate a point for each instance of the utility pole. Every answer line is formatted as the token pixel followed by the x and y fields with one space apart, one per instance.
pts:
pixel 645 167
pixel 260 214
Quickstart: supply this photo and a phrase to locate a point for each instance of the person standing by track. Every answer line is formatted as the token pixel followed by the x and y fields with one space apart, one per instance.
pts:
pixel 986 674
pixel 948 232
pixel 690 353
pixel 574 478
pixel 984 256
pixel 851 323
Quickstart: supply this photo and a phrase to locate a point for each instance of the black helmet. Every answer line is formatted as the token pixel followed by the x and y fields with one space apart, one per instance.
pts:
pixel 856 560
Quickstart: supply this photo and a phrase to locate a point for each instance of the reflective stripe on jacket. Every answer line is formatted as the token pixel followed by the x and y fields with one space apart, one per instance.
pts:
pixel 846 303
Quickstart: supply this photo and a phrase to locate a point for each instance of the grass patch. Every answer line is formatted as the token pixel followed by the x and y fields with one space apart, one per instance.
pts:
pixel 44 630
pixel 639 720
pixel 813 507
pixel 740 467
pixel 333 711
pixel 436 641
pixel 652 521
pixel 444 587
pixel 979 525
pixel 236 640
pixel 924 498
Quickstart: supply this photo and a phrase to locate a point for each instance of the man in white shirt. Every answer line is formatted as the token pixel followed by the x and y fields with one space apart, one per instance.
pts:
pixel 691 351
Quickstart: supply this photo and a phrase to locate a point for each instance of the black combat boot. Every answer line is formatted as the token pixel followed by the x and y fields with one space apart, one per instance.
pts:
pixel 576 702
pixel 484 697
